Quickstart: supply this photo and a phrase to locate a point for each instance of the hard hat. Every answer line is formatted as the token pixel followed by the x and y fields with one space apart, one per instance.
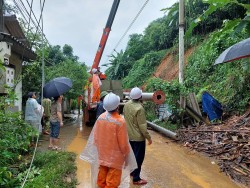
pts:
pixel 111 102
pixel 94 70
pixel 103 94
pixel 135 93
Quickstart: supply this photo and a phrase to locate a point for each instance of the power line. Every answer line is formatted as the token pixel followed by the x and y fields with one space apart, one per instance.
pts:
pixel 21 6
pixel 38 26
pixel 34 153
pixel 30 163
pixel 125 33
pixel 30 16
pixel 20 10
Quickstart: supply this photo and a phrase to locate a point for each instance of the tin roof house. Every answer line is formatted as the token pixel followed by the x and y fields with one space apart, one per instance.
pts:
pixel 14 49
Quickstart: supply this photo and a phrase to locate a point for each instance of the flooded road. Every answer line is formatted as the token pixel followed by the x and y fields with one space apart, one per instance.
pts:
pixel 166 165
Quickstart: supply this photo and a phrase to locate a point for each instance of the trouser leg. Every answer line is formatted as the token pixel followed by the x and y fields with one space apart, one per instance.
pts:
pixel 102 174
pixel 139 152
pixel 113 178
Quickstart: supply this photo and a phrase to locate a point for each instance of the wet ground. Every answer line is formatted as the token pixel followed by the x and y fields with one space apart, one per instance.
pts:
pixel 166 165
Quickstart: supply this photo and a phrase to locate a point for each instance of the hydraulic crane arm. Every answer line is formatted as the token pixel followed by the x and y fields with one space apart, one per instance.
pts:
pixel 105 34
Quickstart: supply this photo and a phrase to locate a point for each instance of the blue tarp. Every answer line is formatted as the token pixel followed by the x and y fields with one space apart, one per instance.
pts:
pixel 211 106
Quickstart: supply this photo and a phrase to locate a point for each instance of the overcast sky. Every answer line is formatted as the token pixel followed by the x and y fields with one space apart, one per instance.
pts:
pixel 80 23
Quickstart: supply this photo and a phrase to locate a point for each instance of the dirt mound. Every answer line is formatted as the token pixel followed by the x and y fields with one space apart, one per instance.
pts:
pixel 169 67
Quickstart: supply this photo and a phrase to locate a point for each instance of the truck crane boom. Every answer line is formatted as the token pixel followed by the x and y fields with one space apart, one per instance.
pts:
pixel 105 34
pixel 89 107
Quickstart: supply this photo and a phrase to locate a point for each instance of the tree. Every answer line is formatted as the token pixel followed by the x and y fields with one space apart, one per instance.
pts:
pixel 68 52
pixel 120 66
pixel 232 10
pixel 136 47
pixel 55 55
pixel 74 70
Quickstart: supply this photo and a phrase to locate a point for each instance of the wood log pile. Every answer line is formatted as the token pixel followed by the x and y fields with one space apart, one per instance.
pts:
pixel 228 143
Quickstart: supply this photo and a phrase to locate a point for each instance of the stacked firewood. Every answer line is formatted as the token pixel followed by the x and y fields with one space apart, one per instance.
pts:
pixel 228 143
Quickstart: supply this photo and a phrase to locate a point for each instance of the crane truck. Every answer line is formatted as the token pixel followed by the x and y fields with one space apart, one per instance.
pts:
pixel 89 109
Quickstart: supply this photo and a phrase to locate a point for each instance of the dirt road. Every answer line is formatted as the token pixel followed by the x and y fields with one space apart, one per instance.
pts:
pixel 166 165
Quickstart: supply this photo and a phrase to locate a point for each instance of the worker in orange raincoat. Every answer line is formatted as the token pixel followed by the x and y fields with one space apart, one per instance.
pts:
pixel 109 143
pixel 96 84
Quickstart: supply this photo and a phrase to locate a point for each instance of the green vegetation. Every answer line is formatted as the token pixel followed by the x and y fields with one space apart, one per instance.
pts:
pixel 212 26
pixel 202 75
pixel 58 62
pixel 15 134
pixel 74 104
pixel 50 169
pixel 143 68
pixel 57 169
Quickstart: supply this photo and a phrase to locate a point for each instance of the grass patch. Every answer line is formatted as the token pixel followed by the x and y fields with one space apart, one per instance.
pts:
pixel 57 169
pixel 167 125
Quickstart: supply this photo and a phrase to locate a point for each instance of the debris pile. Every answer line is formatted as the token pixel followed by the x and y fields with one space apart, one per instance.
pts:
pixel 228 143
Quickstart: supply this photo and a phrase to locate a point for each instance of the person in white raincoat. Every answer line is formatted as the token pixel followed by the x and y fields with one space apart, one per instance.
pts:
pixel 108 149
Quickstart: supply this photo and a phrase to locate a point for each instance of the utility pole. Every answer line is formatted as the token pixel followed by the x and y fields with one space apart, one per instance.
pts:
pixel 181 50
pixel 181 41
pixel 1 17
pixel 43 75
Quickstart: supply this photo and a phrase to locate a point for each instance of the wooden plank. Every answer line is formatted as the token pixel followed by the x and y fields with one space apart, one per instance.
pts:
pixel 197 115
pixel 194 104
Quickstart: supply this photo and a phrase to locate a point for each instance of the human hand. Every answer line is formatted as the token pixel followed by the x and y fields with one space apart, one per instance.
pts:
pixel 61 124
pixel 149 142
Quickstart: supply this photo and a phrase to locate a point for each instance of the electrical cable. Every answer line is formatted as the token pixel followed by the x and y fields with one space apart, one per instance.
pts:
pixel 43 76
pixel 34 153
pixel 39 19
pixel 35 24
pixel 30 163
pixel 20 10
pixel 29 17
pixel 129 27
pixel 28 25
pixel 22 4
pixel 23 11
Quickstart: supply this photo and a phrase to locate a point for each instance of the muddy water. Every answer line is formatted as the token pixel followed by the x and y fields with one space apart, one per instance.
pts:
pixel 166 165
pixel 76 146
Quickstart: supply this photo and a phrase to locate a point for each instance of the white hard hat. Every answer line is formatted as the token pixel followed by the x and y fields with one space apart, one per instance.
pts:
pixel 94 70
pixel 111 102
pixel 135 93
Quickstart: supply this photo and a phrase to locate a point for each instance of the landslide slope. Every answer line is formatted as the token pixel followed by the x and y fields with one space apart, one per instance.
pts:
pixel 169 67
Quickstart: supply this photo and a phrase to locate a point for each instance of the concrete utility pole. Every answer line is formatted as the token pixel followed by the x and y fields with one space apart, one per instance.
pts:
pixel 181 50
pixel 1 16
pixel 43 75
pixel 181 41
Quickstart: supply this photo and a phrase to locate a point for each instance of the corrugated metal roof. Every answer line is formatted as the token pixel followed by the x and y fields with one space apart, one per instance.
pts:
pixel 18 47
pixel 14 34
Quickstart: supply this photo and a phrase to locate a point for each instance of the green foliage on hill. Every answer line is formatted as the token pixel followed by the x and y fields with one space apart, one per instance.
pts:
pixel 213 26
pixel 143 68
pixel 228 82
